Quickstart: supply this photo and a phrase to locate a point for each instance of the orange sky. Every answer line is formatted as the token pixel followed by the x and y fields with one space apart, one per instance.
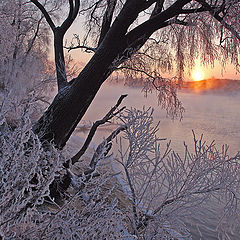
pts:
pixel 217 72
pixel 209 72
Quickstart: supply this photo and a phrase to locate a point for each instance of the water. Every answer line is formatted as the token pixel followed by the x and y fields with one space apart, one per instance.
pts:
pixel 215 114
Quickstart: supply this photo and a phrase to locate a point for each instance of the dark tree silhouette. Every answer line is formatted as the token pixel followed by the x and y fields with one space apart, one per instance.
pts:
pixel 121 38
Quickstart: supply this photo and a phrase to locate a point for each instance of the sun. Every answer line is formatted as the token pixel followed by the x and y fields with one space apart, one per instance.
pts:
pixel 197 75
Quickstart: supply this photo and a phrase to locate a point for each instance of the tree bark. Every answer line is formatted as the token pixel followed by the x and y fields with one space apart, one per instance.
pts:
pixel 72 101
pixel 63 115
pixel 59 59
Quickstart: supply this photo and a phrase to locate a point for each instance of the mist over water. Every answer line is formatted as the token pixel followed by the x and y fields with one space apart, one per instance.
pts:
pixel 213 113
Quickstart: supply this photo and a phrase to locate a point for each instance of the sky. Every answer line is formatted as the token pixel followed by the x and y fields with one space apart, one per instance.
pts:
pixel 229 72
pixel 216 71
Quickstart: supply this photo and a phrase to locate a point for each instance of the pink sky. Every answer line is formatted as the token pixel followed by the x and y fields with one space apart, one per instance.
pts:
pixel 217 71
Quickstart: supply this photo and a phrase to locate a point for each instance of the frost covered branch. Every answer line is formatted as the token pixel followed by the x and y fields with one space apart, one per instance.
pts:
pixel 27 171
pixel 93 129
pixel 165 187
pixel 148 191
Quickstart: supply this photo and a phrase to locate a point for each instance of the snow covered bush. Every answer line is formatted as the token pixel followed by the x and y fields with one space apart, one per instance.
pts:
pixel 146 191
pixel 27 210
pixel 166 188
pixel 26 171
pixel 24 66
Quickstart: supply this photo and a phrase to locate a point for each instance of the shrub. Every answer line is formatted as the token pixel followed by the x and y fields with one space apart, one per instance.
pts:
pixel 145 191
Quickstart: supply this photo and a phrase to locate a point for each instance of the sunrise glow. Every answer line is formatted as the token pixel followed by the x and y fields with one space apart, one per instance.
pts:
pixel 197 75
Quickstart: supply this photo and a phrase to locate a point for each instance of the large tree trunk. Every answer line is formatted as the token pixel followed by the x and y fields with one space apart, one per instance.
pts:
pixel 72 101
pixel 63 115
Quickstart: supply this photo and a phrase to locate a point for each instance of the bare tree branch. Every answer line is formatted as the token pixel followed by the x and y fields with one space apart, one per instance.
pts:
pixel 137 37
pixel 158 7
pixel 73 11
pixel 155 22
pixel 58 38
pixel 93 129
pixel 106 142
pixel 45 13
pixel 87 49
pixel 193 10
pixel 107 19
pixel 216 15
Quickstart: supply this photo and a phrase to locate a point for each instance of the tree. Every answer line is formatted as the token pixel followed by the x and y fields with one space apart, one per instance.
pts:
pixel 158 184
pixel 181 29
pixel 24 67
pixel 146 192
